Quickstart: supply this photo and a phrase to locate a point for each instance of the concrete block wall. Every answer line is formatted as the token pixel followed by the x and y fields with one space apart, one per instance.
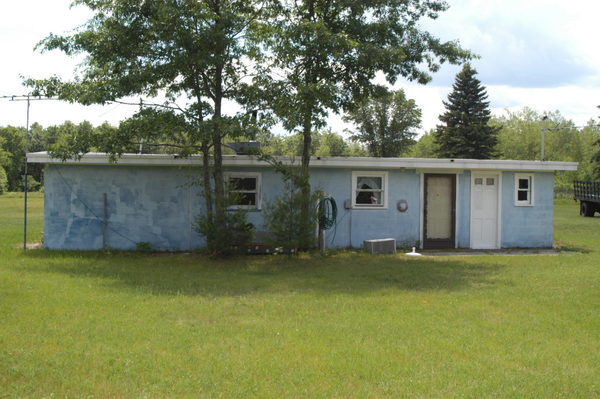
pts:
pixel 528 226
pixel 159 205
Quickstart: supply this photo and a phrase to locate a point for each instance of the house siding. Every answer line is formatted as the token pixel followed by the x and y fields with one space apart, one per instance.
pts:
pixel 144 204
pixel 159 205
pixel 528 226
pixel 354 225
pixel 357 225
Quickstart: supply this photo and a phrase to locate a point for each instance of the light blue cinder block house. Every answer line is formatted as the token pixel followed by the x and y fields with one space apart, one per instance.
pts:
pixel 440 203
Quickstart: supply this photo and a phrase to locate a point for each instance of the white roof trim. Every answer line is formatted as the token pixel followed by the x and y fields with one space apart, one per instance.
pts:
pixel 324 162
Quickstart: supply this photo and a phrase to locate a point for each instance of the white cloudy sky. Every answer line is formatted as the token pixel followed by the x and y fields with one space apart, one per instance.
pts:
pixel 543 54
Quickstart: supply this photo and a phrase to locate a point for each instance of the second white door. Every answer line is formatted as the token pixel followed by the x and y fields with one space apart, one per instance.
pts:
pixel 484 211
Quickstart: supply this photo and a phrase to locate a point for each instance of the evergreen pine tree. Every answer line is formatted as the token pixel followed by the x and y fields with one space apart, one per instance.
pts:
pixel 465 132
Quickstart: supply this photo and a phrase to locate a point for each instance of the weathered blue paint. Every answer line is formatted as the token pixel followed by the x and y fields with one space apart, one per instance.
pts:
pixel 528 226
pixel 356 225
pixel 159 205
pixel 144 204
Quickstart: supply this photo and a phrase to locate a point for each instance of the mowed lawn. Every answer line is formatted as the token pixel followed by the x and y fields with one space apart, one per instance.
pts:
pixel 349 325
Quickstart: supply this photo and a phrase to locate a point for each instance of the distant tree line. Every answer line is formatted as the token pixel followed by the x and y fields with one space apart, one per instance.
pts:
pixel 518 137
pixel 52 138
pixel 12 150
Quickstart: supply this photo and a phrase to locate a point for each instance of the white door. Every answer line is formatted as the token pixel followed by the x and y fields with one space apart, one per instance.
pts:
pixel 484 210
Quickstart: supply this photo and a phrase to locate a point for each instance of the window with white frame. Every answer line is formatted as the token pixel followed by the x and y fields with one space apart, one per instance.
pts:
pixel 369 190
pixel 244 190
pixel 524 189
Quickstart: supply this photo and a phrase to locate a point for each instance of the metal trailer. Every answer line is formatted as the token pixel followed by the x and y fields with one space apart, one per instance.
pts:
pixel 588 195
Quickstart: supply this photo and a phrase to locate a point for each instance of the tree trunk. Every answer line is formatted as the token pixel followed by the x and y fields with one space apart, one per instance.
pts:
pixel 206 172
pixel 305 224
pixel 218 222
pixel 217 134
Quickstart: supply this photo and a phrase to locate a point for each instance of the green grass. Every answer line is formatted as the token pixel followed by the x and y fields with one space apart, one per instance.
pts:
pixel 127 325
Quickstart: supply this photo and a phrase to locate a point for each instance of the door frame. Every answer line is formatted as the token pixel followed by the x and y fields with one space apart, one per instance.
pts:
pixel 441 244
pixel 497 173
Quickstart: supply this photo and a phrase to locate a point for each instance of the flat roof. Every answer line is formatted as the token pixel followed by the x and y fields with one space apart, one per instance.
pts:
pixel 95 158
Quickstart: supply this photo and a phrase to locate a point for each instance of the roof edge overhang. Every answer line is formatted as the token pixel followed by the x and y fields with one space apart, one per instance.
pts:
pixel 323 162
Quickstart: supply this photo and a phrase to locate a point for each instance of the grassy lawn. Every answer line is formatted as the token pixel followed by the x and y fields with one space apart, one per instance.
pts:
pixel 127 325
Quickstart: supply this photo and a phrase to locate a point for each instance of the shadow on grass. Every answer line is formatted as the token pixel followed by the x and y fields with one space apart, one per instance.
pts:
pixel 197 275
pixel 572 248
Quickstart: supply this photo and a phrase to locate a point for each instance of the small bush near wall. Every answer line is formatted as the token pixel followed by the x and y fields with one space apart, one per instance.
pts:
pixel 235 235
pixel 282 220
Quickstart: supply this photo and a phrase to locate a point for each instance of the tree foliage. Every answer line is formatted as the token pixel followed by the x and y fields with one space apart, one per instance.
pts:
pixel 189 51
pixel 519 137
pixel 52 138
pixel 326 54
pixel 4 161
pixel 3 181
pixel 424 147
pixel 386 123
pixel 465 132
pixel 4 155
pixel 595 159
pixel 324 143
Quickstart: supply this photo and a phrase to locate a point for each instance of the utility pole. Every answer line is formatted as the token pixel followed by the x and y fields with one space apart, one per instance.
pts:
pixel 26 186
pixel 543 135
pixel 29 98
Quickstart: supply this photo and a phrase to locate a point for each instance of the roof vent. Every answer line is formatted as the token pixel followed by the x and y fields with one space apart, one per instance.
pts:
pixel 245 147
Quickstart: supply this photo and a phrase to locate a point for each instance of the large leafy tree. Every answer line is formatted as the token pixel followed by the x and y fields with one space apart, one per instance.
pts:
pixel 465 132
pixel 386 123
pixel 192 53
pixel 327 53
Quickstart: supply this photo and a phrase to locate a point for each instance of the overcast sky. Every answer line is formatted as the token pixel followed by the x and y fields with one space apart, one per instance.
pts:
pixel 542 54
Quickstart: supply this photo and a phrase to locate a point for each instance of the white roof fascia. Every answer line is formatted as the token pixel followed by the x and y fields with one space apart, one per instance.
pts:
pixel 325 162
pixel 95 158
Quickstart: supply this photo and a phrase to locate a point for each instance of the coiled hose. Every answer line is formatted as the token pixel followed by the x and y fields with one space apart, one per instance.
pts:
pixel 327 213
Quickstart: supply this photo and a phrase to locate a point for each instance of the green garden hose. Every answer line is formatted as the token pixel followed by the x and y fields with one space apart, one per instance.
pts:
pixel 327 213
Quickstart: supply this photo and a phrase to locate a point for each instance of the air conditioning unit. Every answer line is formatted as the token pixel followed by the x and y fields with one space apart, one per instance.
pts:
pixel 380 246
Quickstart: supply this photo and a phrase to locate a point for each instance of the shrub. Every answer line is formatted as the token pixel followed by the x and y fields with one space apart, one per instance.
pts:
pixel 283 222
pixel 32 183
pixel 233 237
